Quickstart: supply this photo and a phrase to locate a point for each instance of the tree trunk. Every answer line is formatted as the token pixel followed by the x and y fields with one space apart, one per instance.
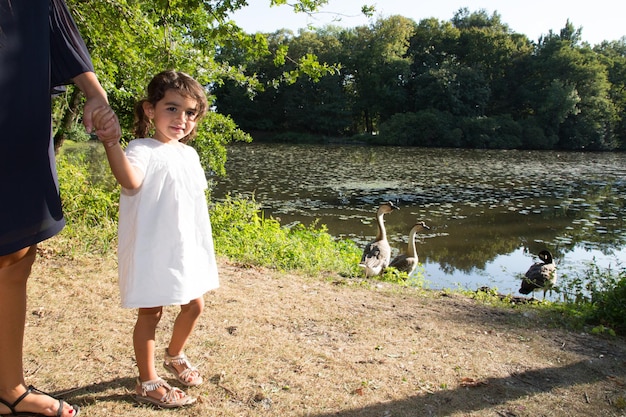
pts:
pixel 69 118
pixel 368 122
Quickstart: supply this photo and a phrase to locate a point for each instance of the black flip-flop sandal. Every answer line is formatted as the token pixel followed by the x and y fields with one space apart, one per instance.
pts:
pixel 30 390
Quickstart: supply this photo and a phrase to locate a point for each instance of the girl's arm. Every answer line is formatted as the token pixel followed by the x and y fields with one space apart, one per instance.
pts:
pixel 127 175
pixel 98 114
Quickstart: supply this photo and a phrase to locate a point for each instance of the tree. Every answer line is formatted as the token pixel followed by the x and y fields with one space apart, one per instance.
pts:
pixel 613 56
pixel 431 53
pixel 570 89
pixel 130 41
pixel 317 106
pixel 377 68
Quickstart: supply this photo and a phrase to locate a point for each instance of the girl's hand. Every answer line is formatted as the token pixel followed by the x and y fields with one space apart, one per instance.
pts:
pixel 106 124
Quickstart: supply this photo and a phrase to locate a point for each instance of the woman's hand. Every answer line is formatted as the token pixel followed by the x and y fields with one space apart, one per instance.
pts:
pixel 97 114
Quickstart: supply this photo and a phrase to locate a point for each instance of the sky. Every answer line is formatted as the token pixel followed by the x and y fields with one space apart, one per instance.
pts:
pixel 600 19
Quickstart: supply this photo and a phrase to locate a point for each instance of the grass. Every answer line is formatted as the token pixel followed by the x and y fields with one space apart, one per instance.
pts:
pixel 274 343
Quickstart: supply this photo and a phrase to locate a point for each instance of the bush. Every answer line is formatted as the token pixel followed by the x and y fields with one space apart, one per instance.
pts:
pixel 240 230
pixel 609 301
pixel 428 128
pixel 90 209
pixel 214 133
pixel 499 132
pixel 243 233
pixel 597 297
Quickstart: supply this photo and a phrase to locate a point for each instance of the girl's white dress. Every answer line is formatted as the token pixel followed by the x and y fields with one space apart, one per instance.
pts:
pixel 165 251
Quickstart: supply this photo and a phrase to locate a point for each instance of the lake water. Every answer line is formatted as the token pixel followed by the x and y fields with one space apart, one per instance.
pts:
pixel 490 211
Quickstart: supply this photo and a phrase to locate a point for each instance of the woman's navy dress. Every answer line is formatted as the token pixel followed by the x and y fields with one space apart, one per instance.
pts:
pixel 40 49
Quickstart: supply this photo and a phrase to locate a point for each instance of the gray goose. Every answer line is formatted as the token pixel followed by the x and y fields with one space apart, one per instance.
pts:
pixel 377 254
pixel 540 276
pixel 407 262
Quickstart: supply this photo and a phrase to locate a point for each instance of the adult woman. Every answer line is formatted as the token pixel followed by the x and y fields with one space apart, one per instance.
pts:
pixel 40 48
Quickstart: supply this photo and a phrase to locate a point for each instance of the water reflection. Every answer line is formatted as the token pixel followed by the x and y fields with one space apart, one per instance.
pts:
pixel 489 210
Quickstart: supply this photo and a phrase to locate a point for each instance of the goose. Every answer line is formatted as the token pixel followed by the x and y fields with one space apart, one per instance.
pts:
pixel 540 276
pixel 408 261
pixel 377 254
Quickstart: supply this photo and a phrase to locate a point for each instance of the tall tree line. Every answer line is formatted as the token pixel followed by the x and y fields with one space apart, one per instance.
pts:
pixel 468 82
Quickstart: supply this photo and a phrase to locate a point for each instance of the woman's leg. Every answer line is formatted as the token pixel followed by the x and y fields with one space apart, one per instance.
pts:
pixel 14 272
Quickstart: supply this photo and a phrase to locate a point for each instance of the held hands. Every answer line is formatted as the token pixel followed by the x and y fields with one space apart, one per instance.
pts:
pixel 98 115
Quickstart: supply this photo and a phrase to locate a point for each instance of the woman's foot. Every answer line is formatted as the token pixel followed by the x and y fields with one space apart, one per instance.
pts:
pixel 36 403
pixel 180 367
pixel 160 393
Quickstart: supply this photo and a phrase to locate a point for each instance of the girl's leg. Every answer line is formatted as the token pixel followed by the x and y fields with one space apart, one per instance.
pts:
pixel 14 272
pixel 175 360
pixel 143 341
pixel 184 325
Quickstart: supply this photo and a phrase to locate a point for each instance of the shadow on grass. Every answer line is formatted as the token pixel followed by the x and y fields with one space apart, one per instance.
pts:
pixel 602 360
pixel 91 394
pixel 494 391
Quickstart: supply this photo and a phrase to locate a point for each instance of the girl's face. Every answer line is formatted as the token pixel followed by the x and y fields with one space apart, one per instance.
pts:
pixel 174 116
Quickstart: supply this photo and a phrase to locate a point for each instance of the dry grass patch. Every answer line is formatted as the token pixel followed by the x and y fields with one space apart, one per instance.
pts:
pixel 272 344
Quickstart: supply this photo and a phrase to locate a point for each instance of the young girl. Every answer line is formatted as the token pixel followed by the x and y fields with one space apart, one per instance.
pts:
pixel 165 250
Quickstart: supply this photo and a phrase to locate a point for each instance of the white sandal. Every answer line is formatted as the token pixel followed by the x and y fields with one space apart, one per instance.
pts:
pixel 171 399
pixel 190 376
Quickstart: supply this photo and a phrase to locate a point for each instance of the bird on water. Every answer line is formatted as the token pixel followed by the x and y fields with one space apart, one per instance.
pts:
pixel 407 262
pixel 540 276
pixel 377 254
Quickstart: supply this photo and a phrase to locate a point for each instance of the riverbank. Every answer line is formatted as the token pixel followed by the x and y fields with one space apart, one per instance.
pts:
pixel 279 344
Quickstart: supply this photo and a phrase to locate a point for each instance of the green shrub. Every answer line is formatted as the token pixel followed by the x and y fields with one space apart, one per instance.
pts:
pixel 394 276
pixel 429 128
pixel 214 133
pixel 90 209
pixel 241 232
pixel 596 297
pixel 608 298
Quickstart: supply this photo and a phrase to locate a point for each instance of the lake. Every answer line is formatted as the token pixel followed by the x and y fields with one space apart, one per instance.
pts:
pixel 490 211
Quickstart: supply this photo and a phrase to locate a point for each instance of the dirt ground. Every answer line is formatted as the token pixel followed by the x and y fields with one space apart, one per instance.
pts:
pixel 278 344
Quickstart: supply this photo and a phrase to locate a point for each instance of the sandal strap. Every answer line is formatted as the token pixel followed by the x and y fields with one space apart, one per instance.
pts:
pixel 180 360
pixel 38 391
pixel 29 390
pixel 177 360
pixel 153 385
pixel 189 373
pixel 186 373
pixel 172 394
pixel 9 406
pixel 60 409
